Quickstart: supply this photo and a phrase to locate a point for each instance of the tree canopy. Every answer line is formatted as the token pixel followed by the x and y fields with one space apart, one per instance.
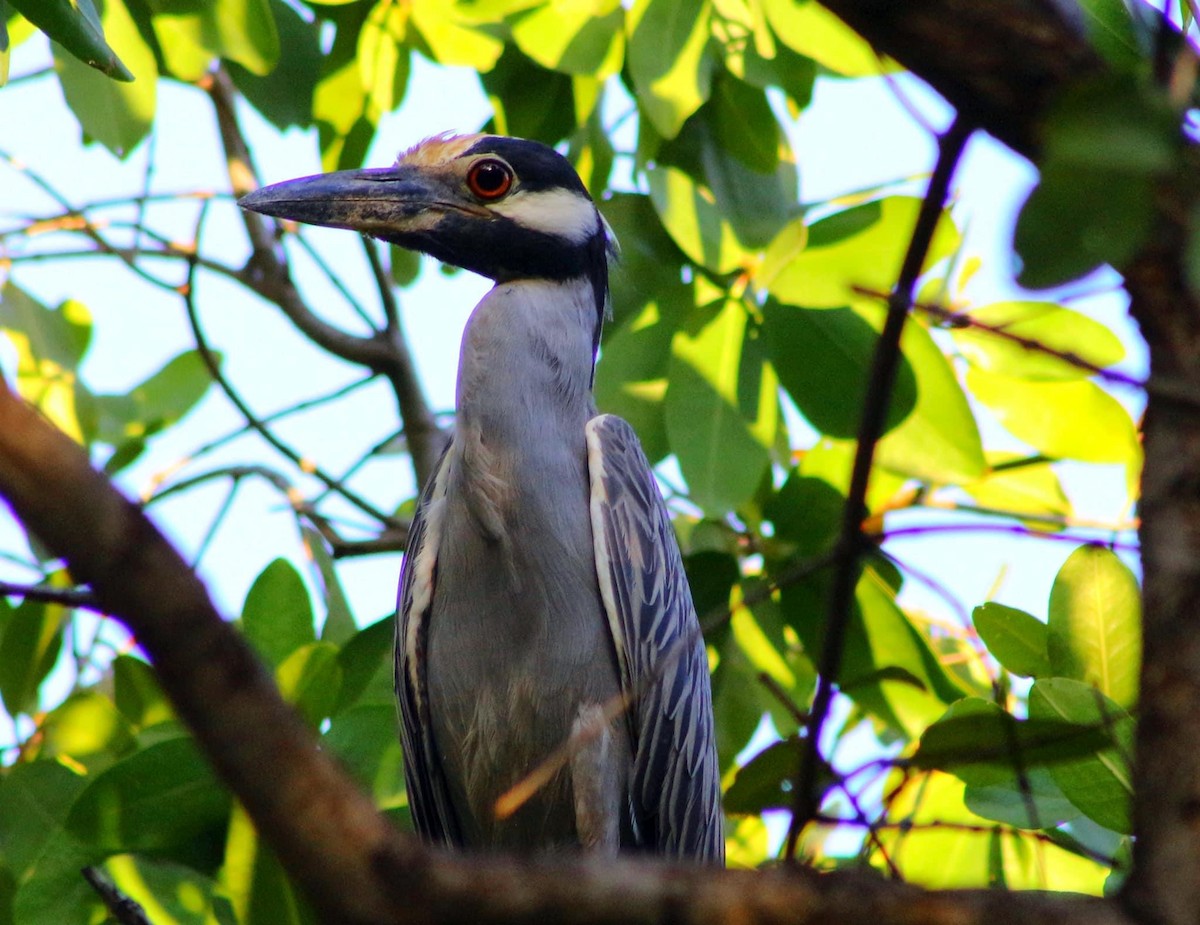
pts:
pixel 818 380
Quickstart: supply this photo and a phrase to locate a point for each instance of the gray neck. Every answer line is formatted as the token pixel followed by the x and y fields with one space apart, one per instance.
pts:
pixel 526 355
pixel 524 397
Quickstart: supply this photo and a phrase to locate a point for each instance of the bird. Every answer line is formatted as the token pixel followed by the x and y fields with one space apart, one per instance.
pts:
pixel 542 581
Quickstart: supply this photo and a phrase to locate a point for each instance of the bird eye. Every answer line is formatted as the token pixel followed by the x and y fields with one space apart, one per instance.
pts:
pixel 489 179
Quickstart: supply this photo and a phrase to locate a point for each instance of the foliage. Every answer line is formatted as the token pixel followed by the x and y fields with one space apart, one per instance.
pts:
pixel 995 751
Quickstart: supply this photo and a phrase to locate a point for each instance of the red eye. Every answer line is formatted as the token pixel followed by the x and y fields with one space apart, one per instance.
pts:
pixel 489 179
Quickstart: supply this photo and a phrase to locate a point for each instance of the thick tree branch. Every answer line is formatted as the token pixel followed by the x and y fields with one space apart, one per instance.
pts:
pixel 998 62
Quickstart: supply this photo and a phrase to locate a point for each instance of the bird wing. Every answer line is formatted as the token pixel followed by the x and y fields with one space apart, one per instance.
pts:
pixel 428 797
pixel 675 784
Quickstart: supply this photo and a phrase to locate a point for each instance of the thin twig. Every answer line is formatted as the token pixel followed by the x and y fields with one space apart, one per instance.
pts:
pixel 66 597
pixel 851 541
pixel 124 910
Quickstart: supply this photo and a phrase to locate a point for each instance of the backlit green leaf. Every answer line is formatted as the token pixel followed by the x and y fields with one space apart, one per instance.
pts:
pixel 1058 329
pixel 35 797
pixel 860 247
pixel 1017 640
pixel 690 214
pixel 575 38
pixel 1063 420
pixel 277 617
pixel 668 60
pixel 452 38
pixel 192 35
pixel 383 58
pixel 1023 488
pixel 1100 785
pixel 721 409
pixel 310 677
pixel 78 28
pixel 1095 626
pixel 118 115
pixel 30 640
pixel 285 95
pixel 808 28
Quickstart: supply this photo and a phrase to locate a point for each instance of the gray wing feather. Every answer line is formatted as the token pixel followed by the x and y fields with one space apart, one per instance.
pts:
pixel 675 785
pixel 428 798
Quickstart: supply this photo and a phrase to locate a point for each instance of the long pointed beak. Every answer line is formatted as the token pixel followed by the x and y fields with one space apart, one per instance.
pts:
pixel 373 201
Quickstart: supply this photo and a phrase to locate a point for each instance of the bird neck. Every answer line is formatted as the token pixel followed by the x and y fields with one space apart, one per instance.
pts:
pixel 527 357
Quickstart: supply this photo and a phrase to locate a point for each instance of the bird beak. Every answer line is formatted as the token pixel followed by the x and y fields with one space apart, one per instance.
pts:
pixel 374 201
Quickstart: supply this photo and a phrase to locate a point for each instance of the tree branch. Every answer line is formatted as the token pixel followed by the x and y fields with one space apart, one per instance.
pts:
pixel 852 541
pixel 267 273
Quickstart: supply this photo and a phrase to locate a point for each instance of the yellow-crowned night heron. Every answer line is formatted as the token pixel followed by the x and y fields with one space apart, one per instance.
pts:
pixel 542 578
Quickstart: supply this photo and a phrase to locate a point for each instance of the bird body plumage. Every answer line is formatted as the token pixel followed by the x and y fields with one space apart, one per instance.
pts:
pixel 542 581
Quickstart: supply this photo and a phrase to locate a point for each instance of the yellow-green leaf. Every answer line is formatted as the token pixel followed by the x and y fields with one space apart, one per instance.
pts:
pixel 721 409
pixel 668 59
pixel 1096 623
pixel 575 36
pixel 691 216
pixel 1064 420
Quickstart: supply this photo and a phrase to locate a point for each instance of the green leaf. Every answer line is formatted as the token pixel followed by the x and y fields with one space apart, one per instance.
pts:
pixel 285 95
pixel 1112 31
pixel 649 268
pixel 168 892
pixel 191 35
pixel 1017 640
pixel 87 728
pixel 310 677
pixel 29 647
pixel 155 404
pixel 810 29
pixel 159 797
pixel 733 146
pixel 1106 142
pixel 1036 802
pixel 383 58
pixel 668 60
pixel 1095 625
pixel 277 617
pixel 760 784
pixel 77 27
pixel 118 115
pixel 255 882
pixel 1100 785
pixel 631 377
pixel 1063 420
pixel 692 217
pixel 860 247
pixel 54 893
pixel 366 667
pixel 1021 487
pixel 889 668
pixel 528 100
pixel 807 512
pixel 1059 329
pixel 35 797
pixel 365 738
pixel 574 38
pixel 721 409
pixel 137 693
pixel 339 624
pixel 824 359
pixel 452 38
pixel 344 126
pixel 985 746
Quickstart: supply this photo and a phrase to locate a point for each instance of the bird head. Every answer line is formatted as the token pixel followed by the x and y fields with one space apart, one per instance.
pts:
pixel 505 208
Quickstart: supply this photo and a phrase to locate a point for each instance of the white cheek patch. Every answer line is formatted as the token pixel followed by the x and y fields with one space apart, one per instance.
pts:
pixel 558 212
